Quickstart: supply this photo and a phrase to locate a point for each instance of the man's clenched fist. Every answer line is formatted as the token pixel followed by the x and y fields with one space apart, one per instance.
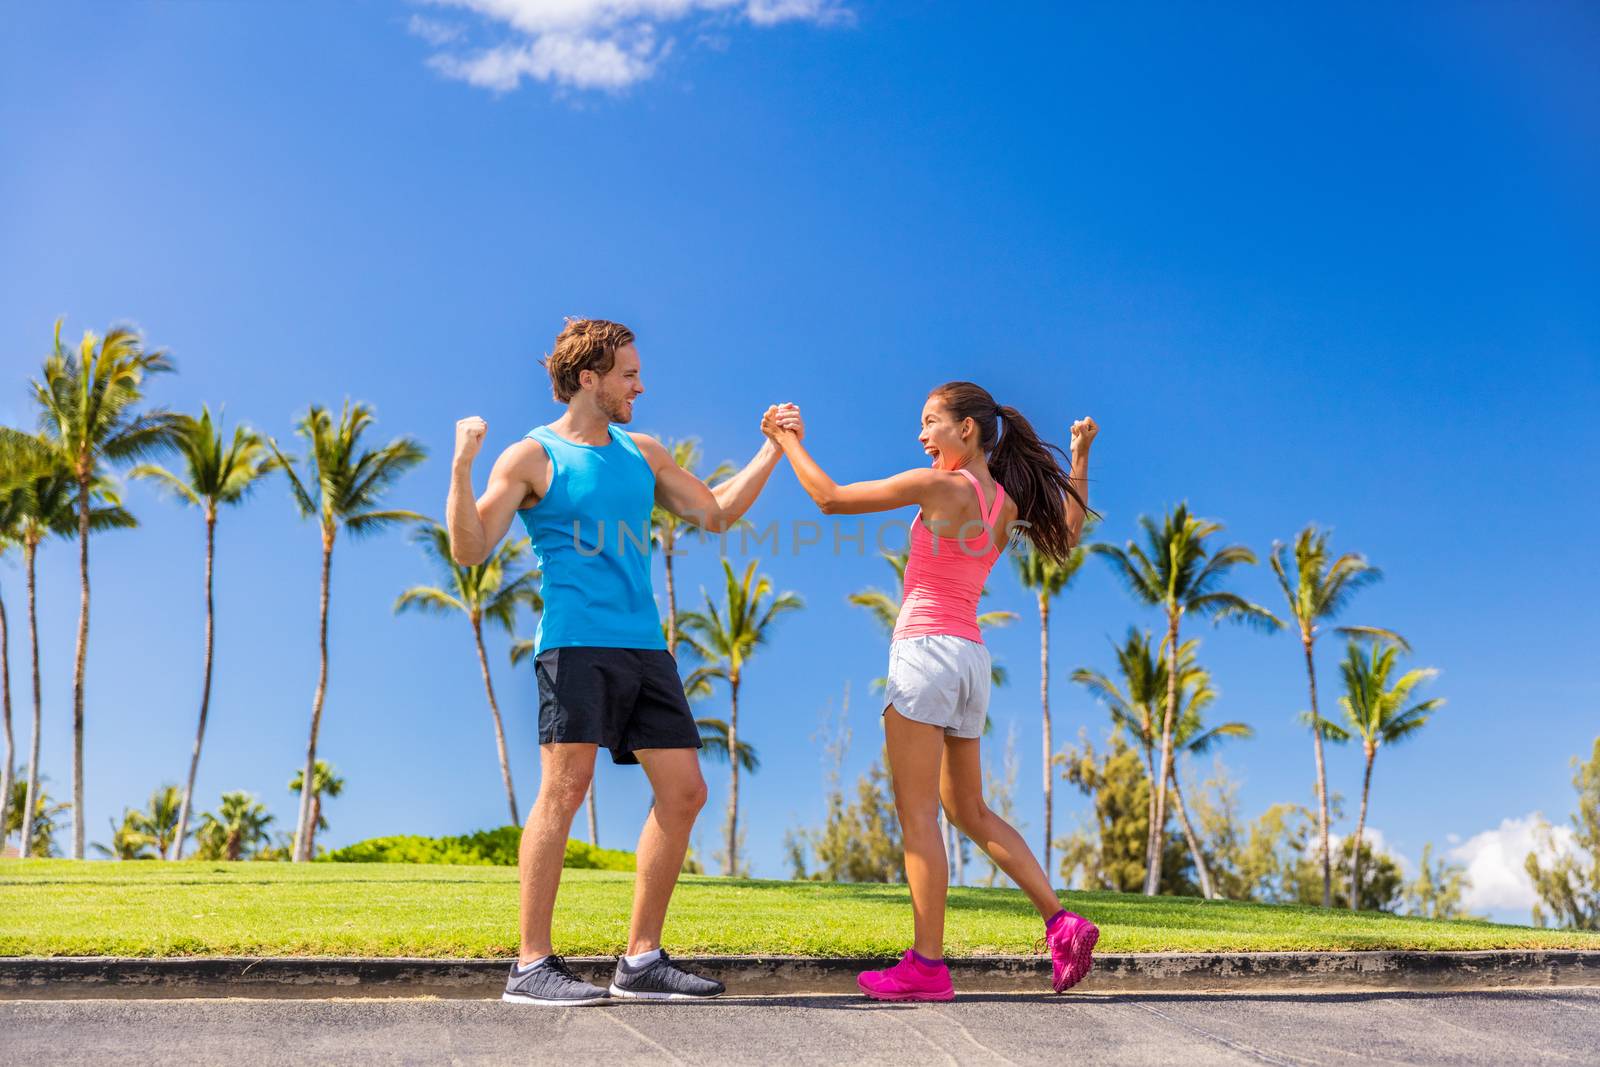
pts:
pixel 469 438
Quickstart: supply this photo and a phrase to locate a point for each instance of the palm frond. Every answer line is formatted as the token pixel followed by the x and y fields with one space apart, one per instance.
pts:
pixel 370 522
pixel 165 479
pixel 1375 633
pixel 427 599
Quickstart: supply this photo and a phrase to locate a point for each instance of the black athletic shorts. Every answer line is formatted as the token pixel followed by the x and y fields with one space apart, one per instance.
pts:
pixel 622 699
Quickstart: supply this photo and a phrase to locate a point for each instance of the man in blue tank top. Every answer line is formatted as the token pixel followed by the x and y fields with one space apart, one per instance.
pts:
pixel 584 488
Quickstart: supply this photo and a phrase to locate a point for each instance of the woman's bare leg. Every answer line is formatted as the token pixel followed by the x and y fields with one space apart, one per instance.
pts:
pixel 915 753
pixel 961 790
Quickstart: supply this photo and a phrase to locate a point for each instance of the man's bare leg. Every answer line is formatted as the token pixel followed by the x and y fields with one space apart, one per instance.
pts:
pixel 680 793
pixel 565 772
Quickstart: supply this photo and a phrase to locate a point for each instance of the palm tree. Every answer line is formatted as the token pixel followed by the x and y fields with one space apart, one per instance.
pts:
pixel 1318 589
pixel 143 830
pixel 128 841
pixel 86 403
pixel 324 784
pixel 214 474
pixel 714 745
pixel 1180 575
pixel 40 488
pixel 665 529
pixel 490 590
pixel 1192 736
pixel 725 636
pixel 1048 580
pixel 348 483
pixel 39 827
pixel 236 828
pixel 162 814
pixel 1377 712
pixel 1134 705
pixel 10 531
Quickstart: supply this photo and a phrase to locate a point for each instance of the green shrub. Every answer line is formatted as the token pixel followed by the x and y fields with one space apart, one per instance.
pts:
pixel 587 856
pixel 486 848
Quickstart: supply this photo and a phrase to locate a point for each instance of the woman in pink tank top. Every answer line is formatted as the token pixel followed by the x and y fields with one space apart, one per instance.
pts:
pixel 991 477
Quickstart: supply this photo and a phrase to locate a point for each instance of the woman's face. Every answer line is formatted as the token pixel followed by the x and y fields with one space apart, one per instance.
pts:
pixel 944 438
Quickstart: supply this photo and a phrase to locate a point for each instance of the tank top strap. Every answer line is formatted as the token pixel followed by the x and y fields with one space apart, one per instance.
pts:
pixel 994 512
pixel 987 512
pixel 625 439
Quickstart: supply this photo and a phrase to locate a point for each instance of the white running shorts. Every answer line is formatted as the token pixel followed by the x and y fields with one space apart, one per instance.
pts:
pixel 941 680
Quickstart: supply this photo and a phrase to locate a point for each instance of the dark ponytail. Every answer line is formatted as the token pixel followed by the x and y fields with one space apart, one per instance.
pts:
pixel 1033 470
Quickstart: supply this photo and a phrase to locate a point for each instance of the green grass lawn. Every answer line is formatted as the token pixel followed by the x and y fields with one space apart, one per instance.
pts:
pixel 58 907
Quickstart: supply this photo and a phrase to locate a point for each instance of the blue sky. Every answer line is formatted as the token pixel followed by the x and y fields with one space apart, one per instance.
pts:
pixel 1301 267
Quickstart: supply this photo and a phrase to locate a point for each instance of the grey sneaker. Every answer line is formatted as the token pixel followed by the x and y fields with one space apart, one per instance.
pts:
pixel 661 979
pixel 550 983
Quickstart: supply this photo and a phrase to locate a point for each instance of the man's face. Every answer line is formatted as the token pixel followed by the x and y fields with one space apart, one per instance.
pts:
pixel 616 389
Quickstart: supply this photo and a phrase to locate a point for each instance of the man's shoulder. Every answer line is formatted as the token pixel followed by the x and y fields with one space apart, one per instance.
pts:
pixel 648 446
pixel 525 459
pixel 525 447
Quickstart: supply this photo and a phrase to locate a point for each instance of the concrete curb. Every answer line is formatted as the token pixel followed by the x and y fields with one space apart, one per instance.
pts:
pixel 66 978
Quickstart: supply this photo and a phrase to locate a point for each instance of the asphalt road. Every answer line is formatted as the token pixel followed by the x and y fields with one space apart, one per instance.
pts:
pixel 1558 1026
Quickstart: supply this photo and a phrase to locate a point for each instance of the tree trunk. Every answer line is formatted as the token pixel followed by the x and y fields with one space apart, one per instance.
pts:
pixel 594 821
pixel 499 730
pixel 78 665
pixel 1044 717
pixel 1361 824
pixel 667 539
pixel 30 801
pixel 302 837
pixel 1152 874
pixel 732 856
pixel 1322 779
pixel 1150 811
pixel 316 820
pixel 7 771
pixel 1207 890
pixel 205 692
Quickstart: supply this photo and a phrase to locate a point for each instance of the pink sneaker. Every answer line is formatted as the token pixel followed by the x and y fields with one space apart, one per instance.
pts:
pixel 1071 938
pixel 910 979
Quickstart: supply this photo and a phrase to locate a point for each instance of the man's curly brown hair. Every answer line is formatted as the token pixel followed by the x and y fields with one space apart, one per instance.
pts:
pixel 585 344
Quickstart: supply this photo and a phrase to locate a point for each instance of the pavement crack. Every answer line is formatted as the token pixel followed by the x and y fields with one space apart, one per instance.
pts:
pixel 1238 1046
pixel 930 1042
pixel 610 1015
pixel 968 1035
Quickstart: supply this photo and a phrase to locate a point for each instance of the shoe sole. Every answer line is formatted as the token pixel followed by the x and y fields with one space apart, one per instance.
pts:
pixel 927 998
pixel 543 1002
pixel 1083 942
pixel 618 991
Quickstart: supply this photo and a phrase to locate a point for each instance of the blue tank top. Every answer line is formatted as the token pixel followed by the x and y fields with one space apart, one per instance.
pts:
pixel 591 537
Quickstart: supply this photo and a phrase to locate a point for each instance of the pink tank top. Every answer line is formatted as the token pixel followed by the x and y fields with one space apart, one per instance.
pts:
pixel 945 576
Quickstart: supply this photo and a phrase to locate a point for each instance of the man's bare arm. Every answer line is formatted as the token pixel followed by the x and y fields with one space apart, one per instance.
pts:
pixel 691 499
pixel 476 526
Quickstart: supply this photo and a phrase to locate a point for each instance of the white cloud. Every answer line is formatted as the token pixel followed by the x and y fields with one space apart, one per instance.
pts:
pixel 576 61
pixel 772 12
pixel 434 32
pixel 1494 860
pixel 590 44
